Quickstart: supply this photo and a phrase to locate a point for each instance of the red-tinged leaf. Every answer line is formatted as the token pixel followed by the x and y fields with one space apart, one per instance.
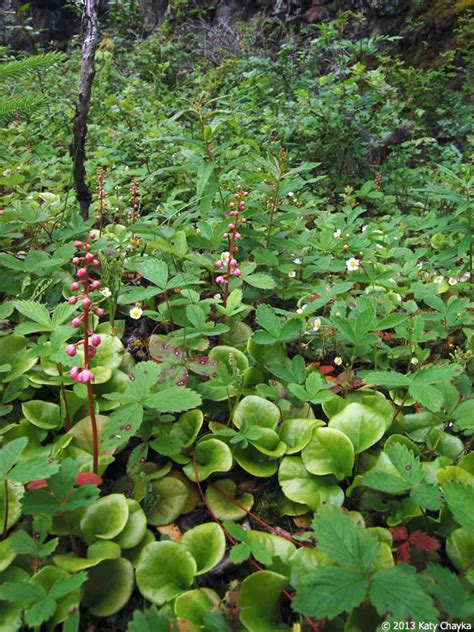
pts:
pixel 399 533
pixel 403 553
pixel 314 297
pixel 325 369
pixel 40 483
pixel 88 478
pixel 423 541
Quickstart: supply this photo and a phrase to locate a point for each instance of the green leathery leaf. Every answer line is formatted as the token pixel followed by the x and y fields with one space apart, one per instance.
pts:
pixel 329 451
pixel 206 543
pixel 223 507
pixel 296 433
pixel 212 455
pixel 259 601
pixel 105 519
pixel 42 414
pixel 363 425
pixel 171 496
pixel 303 487
pixel 109 587
pixel 256 411
pixel 135 528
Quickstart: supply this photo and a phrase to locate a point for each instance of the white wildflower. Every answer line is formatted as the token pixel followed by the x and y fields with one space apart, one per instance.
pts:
pixel 338 360
pixel 136 313
pixel 352 264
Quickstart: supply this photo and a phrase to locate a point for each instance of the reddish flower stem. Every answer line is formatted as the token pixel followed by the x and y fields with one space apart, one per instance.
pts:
pixel 90 396
pixel 314 625
pixel 231 256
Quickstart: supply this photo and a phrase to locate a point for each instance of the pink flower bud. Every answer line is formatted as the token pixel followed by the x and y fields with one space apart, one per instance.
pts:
pixel 95 285
pixel 246 193
pixel 81 272
pixel 92 235
pixel 236 272
pixel 225 235
pixel 233 263
pixel 241 205
pixel 95 262
pixel 99 311
pixel 231 205
pixel 231 226
pixel 220 280
pixel 76 322
pixel 75 261
pixel 86 302
pixel 92 351
pixel 78 244
pixel 238 236
pixel 233 213
pixel 72 300
pixel 74 286
pixel 71 350
pixel 244 220
pixel 89 256
pixel 85 376
pixel 219 264
pixel 96 340
pixel 236 196
pixel 74 372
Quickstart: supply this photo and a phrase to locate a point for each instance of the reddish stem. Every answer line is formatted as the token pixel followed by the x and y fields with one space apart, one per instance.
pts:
pixel 313 624
pixel 231 256
pixel 90 396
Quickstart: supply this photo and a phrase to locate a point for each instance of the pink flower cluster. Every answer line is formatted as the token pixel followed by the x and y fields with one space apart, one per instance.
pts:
pixel 90 341
pixel 227 262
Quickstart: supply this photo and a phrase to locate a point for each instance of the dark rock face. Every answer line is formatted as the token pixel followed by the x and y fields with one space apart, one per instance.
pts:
pixel 57 21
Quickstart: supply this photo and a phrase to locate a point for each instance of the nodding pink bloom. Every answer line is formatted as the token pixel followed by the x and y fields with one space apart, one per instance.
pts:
pixel 96 340
pixel 81 272
pixel 243 220
pixel 85 376
pixel 237 196
pixel 92 235
pixel 75 261
pixel 246 193
pixel 86 302
pixel 72 300
pixel 220 280
pixel 238 236
pixel 241 205
pixel 99 311
pixel 95 285
pixel 231 226
pixel 225 235
pixel 95 262
pixel 231 205
pixel 76 322
pixel 233 263
pixel 92 351
pixel 74 372
pixel 78 244
pixel 89 256
pixel 233 213
pixel 71 350
pixel 219 264
pixel 74 286
pixel 236 272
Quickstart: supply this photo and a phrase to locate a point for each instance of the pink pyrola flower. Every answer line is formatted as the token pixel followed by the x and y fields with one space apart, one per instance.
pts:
pixel 74 372
pixel 75 286
pixel 81 272
pixel 72 300
pixel 86 302
pixel 85 376
pixel 95 285
pixel 75 322
pixel 95 340
pixel 71 350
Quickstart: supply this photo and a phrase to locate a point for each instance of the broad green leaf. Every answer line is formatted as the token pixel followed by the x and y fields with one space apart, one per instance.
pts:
pixel 390 379
pixel 343 541
pixel 105 519
pixel 9 454
pixel 327 592
pixel 302 487
pixel 260 280
pixel 45 415
pixel 406 463
pixel 455 599
pixel 267 319
pixel 460 499
pixel 207 544
pixel 363 425
pixel 258 601
pixel 173 399
pixel 329 452
pixel 109 587
pixel 35 311
pixel 396 590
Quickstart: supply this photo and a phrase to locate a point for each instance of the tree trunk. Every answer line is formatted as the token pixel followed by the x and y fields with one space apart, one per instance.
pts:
pixel 90 36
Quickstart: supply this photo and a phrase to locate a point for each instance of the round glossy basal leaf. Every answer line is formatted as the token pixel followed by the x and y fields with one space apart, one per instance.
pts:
pixel 363 425
pixel 296 433
pixel 266 354
pixel 375 400
pixel 193 605
pixel 105 519
pixel 164 570
pixel 256 411
pixel 229 356
pixel 7 553
pixel 134 554
pixel 82 432
pixel 444 444
pixel 188 426
pixel 15 494
pixel 299 485
pixel 42 414
pixel 96 553
pixel 460 548
pixel 109 587
pixel 287 507
pixel 259 601
pixel 206 543
pixel 135 529
pixel 212 456
pixel 47 577
pixel 109 353
pixel 255 463
pixel 330 451
pixel 171 497
pixel 269 443
pixel 222 506
pixel 193 494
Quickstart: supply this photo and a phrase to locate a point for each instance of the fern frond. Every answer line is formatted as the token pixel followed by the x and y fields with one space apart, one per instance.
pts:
pixel 19 67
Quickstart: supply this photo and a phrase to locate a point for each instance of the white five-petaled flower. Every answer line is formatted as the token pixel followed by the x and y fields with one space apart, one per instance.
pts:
pixel 316 324
pixel 301 309
pixel 352 264
pixel 452 281
pixel 465 277
pixel 136 313
pixel 225 256
pixel 337 233
pixel 414 361
pixel 105 292
pixel 338 360
pixel 438 279
pixel 292 274
pixel 297 261
pixel 290 194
